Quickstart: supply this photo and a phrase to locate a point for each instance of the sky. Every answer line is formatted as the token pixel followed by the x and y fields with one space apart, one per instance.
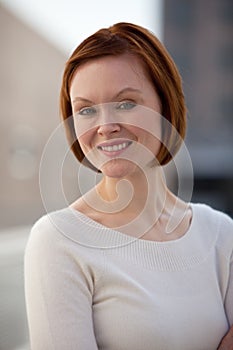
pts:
pixel 66 23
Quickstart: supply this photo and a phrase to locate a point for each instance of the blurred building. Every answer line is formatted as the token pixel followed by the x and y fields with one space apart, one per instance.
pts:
pixel 30 71
pixel 199 36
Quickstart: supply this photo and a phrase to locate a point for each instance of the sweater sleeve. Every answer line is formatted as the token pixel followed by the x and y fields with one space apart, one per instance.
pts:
pixel 58 291
pixel 229 295
pixel 227 226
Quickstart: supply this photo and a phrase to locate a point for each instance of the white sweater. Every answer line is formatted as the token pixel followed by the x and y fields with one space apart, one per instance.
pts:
pixel 89 287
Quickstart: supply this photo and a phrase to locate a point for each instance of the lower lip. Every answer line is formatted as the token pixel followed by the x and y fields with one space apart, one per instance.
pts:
pixel 114 153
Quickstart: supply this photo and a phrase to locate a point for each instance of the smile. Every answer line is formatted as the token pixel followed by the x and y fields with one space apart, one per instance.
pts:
pixel 115 148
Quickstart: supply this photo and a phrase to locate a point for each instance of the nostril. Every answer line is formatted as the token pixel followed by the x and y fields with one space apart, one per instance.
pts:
pixel 108 128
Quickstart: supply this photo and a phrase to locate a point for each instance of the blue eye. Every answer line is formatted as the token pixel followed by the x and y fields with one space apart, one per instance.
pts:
pixel 87 111
pixel 127 105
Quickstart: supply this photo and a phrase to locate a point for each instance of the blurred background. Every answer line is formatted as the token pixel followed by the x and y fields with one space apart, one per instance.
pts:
pixel 36 39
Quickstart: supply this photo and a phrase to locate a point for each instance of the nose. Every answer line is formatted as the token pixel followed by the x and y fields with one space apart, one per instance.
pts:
pixel 108 128
pixel 108 124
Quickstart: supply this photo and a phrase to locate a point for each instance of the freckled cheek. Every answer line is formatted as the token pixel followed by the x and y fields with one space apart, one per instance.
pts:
pixel 146 137
pixel 154 144
pixel 84 134
pixel 145 122
pixel 85 126
pixel 151 142
pixel 85 141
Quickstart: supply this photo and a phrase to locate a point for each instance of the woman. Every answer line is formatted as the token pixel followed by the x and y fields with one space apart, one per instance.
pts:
pixel 128 265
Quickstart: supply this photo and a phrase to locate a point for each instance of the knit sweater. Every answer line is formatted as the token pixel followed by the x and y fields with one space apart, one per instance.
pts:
pixel 90 287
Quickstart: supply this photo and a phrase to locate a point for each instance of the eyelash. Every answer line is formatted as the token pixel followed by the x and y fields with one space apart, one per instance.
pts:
pixel 124 105
pixel 86 110
pixel 131 104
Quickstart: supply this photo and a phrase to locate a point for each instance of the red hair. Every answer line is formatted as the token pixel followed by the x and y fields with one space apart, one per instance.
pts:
pixel 124 38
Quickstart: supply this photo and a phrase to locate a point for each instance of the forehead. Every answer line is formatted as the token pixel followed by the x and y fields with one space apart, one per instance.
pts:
pixel 109 73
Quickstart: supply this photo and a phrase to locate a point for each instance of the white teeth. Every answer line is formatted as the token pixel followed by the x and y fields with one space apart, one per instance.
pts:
pixel 115 148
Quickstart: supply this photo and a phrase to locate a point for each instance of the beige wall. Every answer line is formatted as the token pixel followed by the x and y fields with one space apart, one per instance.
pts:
pixel 30 73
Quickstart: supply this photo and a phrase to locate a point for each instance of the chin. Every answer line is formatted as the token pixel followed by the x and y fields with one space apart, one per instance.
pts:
pixel 118 168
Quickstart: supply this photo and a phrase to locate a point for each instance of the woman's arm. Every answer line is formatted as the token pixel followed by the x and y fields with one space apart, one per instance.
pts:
pixel 227 341
pixel 58 291
pixel 229 295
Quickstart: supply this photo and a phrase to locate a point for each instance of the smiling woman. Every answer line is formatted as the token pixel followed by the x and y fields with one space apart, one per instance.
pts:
pixel 155 64
pixel 107 117
pixel 91 267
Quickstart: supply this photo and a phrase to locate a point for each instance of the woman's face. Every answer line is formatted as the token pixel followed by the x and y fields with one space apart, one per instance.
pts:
pixel 116 113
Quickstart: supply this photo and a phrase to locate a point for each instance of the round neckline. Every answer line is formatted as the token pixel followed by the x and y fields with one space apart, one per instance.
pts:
pixel 124 237
pixel 178 254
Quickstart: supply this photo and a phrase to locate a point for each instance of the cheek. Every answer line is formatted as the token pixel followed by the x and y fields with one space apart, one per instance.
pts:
pixel 145 122
pixel 154 144
pixel 85 141
pixel 151 143
pixel 84 134
pixel 147 136
pixel 84 126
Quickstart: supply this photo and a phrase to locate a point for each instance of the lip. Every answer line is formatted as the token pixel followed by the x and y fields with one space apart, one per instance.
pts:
pixel 112 143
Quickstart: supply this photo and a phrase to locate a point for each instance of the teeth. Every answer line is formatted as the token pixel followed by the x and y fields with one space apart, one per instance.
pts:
pixel 115 148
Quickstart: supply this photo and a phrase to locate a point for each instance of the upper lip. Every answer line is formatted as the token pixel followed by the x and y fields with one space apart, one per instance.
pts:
pixel 113 142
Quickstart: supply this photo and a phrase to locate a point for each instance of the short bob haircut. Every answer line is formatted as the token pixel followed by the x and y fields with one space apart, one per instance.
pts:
pixel 129 38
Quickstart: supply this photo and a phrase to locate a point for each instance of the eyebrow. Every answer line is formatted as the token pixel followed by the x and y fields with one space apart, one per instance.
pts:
pixel 81 99
pixel 127 89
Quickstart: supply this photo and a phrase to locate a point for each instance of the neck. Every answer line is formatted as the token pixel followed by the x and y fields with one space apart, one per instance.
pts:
pixel 145 191
pixel 133 205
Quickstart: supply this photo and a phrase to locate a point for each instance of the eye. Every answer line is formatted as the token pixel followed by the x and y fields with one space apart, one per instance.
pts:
pixel 87 111
pixel 126 105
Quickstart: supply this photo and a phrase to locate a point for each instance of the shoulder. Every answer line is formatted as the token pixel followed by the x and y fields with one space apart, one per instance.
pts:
pixel 55 233
pixel 65 231
pixel 45 236
pixel 55 261
pixel 59 224
pixel 47 226
pixel 214 226
pixel 212 218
